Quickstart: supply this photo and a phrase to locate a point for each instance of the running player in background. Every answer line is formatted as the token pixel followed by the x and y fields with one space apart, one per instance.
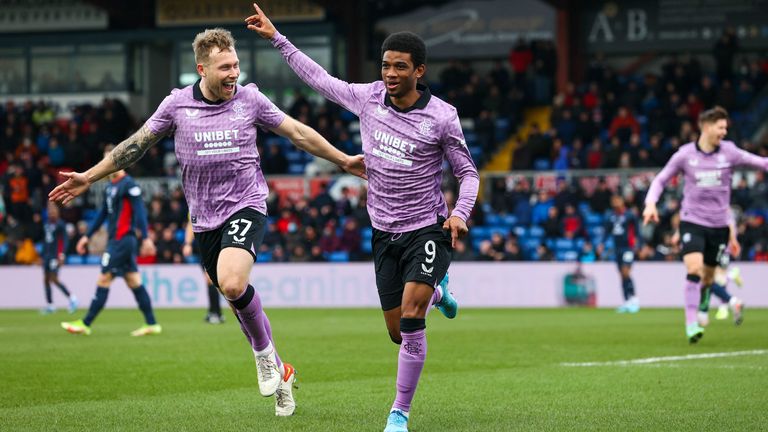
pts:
pixel 720 284
pixel 54 247
pixel 622 224
pixel 707 165
pixel 125 213
pixel 214 307
pixel 214 122
pixel 406 134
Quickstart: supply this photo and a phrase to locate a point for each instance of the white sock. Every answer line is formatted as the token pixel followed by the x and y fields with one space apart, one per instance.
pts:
pixel 266 351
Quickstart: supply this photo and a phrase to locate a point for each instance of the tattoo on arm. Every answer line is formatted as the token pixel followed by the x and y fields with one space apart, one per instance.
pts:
pixel 133 148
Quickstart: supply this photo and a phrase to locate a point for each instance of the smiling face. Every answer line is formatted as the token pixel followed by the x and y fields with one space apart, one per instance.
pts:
pixel 399 73
pixel 219 74
pixel 715 131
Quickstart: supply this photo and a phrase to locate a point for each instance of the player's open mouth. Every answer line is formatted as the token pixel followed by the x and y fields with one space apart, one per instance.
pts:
pixel 229 87
pixel 392 85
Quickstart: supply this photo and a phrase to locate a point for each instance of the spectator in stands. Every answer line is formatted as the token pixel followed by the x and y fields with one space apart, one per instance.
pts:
pixel 168 248
pixel 724 52
pixel 512 250
pixel 572 225
pixel 552 224
pixel 350 239
pixel 520 58
pixel 601 198
pixel 624 125
pixel 488 253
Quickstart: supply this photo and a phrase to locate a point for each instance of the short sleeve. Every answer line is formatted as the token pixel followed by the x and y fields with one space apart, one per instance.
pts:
pixel 162 120
pixel 268 115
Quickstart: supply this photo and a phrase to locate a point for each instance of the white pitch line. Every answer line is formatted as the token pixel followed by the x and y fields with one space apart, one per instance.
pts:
pixel 667 359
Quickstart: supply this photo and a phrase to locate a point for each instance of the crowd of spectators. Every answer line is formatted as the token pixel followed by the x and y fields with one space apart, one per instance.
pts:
pixel 639 121
pixel 609 121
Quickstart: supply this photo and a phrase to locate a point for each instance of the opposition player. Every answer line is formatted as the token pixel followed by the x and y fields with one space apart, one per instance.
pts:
pixel 214 307
pixel 622 224
pixel 125 213
pixel 215 122
pixel 53 254
pixel 707 165
pixel 406 133
pixel 720 284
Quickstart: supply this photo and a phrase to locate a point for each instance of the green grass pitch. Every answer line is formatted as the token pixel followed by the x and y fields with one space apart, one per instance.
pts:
pixel 488 370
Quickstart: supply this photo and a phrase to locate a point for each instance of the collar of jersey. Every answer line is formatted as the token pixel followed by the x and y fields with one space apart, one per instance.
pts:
pixel 197 94
pixel 420 103
pixel 717 149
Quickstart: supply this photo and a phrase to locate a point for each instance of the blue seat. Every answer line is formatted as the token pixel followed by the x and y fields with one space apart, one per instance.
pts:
pixel 264 257
pixel 296 168
pixel 481 232
pixel 530 243
pixel 596 231
pixel 592 219
pixel 338 256
pixel 92 259
pixel 562 244
pixel 493 219
pixel 566 255
pixel 180 234
pixel 520 231
pixel 536 231
pixel 510 220
pixel 294 157
pixel 74 259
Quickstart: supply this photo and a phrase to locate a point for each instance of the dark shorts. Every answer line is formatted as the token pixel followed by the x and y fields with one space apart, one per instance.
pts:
pixel 244 230
pixel 120 256
pixel 422 255
pixel 624 257
pixel 50 265
pixel 712 242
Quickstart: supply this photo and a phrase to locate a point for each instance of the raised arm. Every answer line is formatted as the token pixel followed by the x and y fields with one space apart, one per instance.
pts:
pixel 307 139
pixel 123 156
pixel 338 91
pixel 745 158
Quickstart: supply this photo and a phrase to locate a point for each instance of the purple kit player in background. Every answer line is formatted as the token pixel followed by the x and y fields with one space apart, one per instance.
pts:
pixel 54 245
pixel 707 165
pixel 214 123
pixel 406 134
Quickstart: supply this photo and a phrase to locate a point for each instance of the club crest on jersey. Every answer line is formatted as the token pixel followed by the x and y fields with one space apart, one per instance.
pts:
pixel 381 111
pixel 239 109
pixel 425 127
pixel 722 162
pixel 693 162
pixel 192 113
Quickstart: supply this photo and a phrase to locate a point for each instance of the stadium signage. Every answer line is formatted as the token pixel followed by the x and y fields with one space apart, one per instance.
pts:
pixel 668 26
pixel 475 29
pixel 50 15
pixel 182 12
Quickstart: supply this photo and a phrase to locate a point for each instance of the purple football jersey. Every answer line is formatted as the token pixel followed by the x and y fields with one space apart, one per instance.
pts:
pixel 707 189
pixel 216 148
pixel 404 149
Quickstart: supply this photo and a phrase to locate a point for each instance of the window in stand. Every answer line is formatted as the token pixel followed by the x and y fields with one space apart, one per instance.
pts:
pixel 13 71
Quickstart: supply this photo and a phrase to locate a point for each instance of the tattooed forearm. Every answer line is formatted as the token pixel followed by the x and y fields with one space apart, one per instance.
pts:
pixel 132 149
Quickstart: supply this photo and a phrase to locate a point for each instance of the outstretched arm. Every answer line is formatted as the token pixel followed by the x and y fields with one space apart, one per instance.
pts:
pixel 307 139
pixel 123 156
pixel 650 213
pixel 341 92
